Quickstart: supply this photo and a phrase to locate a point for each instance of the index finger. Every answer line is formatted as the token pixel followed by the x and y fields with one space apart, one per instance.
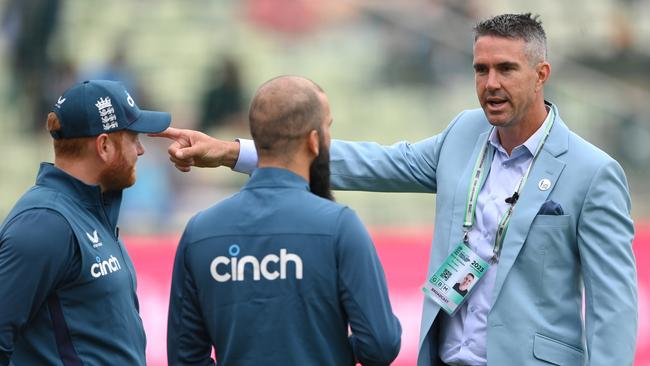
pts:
pixel 170 133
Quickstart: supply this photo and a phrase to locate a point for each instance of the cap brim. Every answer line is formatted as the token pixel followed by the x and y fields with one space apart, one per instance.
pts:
pixel 150 122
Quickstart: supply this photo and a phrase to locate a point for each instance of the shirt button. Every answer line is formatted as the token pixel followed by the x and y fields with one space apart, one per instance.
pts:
pixel 472 309
pixel 466 343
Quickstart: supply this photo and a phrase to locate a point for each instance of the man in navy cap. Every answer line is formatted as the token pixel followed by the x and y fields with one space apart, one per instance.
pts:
pixel 67 284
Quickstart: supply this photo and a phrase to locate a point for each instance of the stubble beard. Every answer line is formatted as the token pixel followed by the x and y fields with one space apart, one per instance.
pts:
pixel 118 175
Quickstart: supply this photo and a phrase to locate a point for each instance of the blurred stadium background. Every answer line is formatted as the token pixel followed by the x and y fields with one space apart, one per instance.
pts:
pixel 393 70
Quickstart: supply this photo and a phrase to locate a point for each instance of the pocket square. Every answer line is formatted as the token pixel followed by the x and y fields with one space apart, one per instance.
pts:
pixel 552 208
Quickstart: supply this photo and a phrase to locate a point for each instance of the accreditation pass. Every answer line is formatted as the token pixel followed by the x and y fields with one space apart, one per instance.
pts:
pixel 455 279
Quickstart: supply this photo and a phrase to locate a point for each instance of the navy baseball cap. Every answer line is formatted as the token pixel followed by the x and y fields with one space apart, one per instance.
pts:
pixel 103 106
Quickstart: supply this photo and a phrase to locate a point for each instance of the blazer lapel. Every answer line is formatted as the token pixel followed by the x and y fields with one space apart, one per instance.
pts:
pixel 532 197
pixel 460 196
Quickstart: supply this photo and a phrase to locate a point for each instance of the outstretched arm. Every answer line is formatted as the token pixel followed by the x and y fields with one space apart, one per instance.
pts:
pixel 402 167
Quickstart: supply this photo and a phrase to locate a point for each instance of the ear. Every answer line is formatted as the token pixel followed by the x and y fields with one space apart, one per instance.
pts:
pixel 312 143
pixel 543 74
pixel 105 147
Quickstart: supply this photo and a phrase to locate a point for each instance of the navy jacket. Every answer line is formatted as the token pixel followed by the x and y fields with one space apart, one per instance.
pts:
pixel 67 285
pixel 275 275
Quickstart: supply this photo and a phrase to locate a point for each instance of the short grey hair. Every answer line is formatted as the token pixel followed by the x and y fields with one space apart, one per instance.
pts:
pixel 517 26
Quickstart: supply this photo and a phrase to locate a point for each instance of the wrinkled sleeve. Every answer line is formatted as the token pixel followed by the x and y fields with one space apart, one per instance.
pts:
pixel 376 331
pixel 402 167
pixel 188 342
pixel 605 233
pixel 38 253
pixel 369 166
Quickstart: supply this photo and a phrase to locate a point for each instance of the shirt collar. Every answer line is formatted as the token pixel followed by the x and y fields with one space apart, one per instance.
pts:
pixel 531 144
pixel 276 177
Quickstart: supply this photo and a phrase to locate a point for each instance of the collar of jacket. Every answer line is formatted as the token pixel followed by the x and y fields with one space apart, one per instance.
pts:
pixel 558 139
pixel 276 177
pixel 90 196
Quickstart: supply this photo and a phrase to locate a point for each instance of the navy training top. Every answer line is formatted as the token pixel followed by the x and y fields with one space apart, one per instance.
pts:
pixel 276 275
pixel 67 285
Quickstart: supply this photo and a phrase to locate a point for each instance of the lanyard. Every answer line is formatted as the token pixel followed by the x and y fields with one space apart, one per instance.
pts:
pixel 478 176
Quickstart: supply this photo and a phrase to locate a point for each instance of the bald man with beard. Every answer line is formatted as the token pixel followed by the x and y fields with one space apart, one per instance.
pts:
pixel 278 273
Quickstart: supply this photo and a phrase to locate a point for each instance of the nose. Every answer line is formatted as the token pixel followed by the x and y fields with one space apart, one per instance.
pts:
pixel 492 81
pixel 139 148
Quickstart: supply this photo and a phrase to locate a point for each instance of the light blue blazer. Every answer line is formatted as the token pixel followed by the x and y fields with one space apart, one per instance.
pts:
pixel 536 315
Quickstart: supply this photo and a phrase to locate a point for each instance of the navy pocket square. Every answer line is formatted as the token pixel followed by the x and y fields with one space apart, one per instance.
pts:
pixel 552 208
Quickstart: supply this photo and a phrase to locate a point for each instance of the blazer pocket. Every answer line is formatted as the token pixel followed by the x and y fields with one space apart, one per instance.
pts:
pixel 552 220
pixel 556 352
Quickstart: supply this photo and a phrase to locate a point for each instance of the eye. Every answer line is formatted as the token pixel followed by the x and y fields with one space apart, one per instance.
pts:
pixel 480 69
pixel 507 67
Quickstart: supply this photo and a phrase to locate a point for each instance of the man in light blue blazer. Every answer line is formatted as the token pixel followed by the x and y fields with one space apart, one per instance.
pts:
pixel 562 204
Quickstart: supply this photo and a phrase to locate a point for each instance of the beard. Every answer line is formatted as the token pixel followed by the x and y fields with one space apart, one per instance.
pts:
pixel 118 175
pixel 319 173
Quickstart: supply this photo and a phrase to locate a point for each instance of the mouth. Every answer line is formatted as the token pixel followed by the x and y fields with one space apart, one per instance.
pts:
pixel 496 103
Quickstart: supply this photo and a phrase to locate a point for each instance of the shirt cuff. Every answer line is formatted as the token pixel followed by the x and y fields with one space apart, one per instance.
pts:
pixel 247 160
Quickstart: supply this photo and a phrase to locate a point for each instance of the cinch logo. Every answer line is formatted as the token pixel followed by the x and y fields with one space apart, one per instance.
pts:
pixel 221 273
pixel 102 268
